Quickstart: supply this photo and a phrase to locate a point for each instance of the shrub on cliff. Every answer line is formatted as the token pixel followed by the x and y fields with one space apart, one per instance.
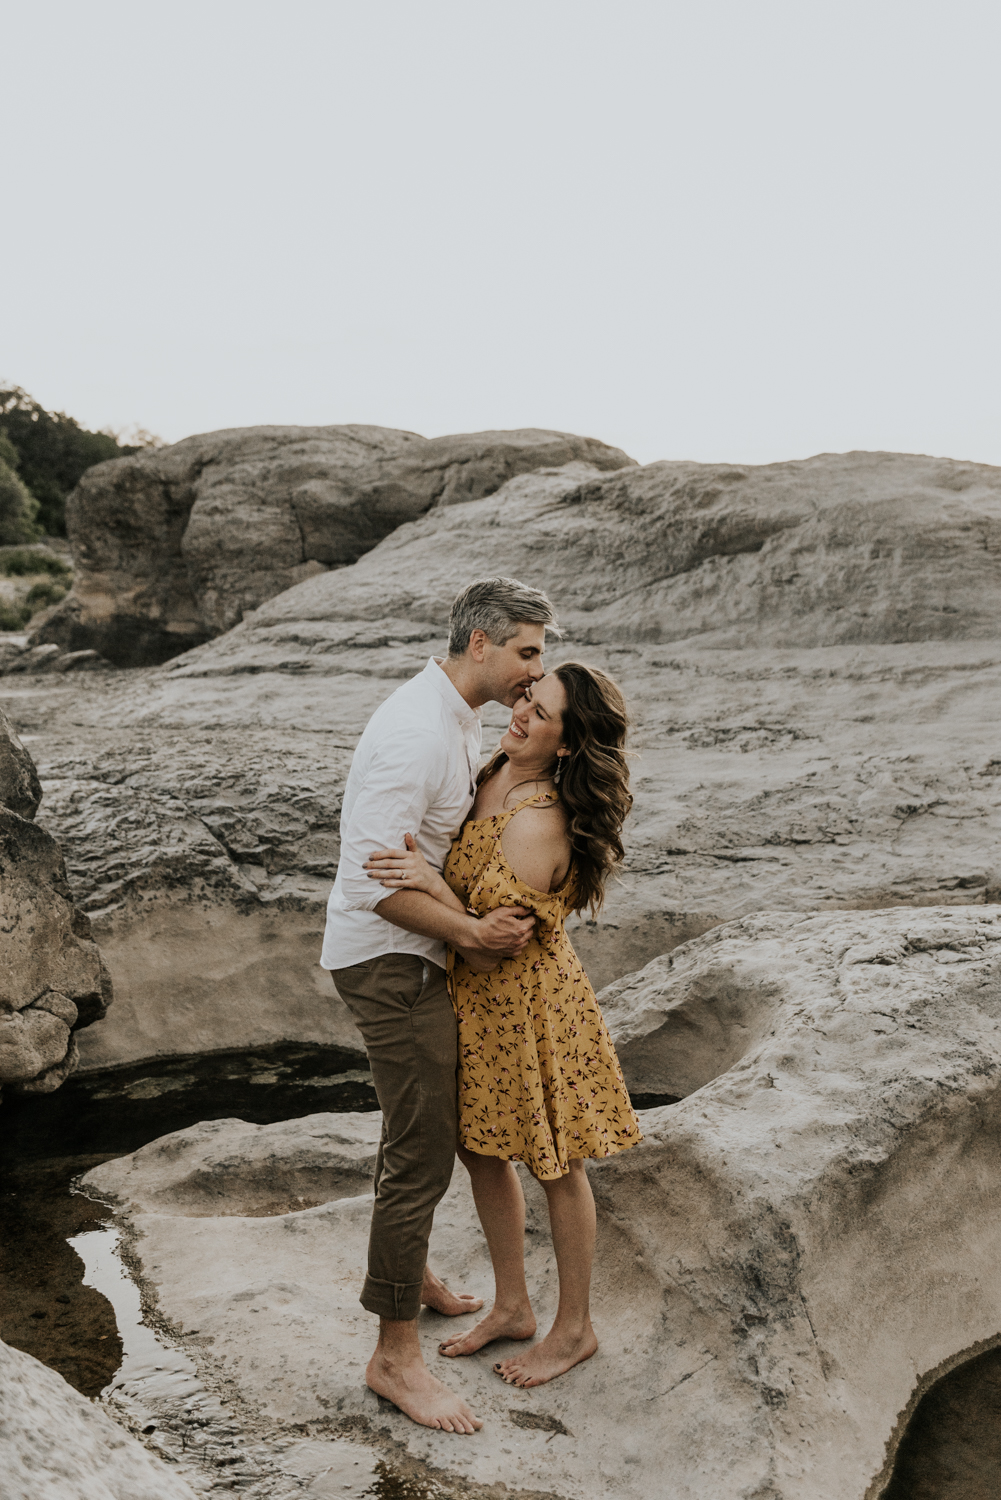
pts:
pixel 18 507
pixel 23 562
pixel 53 451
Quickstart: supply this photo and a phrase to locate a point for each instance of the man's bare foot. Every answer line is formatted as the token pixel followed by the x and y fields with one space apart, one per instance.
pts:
pixel 436 1295
pixel 419 1394
pixel 497 1324
pixel 555 1355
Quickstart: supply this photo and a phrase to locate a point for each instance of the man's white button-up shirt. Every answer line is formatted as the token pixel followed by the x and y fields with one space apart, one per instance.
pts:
pixel 414 771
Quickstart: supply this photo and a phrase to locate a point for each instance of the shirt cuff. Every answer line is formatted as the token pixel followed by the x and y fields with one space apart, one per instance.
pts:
pixel 363 894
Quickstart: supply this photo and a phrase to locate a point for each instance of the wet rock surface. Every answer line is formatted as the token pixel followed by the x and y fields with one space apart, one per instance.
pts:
pixel 67 1299
pixel 92 1458
pixel 768 1258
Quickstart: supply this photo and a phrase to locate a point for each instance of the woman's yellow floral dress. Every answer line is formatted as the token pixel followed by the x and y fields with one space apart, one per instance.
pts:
pixel 539 1080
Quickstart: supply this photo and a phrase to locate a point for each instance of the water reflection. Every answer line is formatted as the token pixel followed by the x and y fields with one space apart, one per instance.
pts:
pixel 49 1305
pixel 45 1307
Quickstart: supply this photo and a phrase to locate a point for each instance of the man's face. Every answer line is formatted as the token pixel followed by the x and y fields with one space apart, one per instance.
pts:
pixel 509 669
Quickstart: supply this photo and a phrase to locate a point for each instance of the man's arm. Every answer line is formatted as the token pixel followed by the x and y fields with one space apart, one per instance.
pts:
pixel 400 783
pixel 483 941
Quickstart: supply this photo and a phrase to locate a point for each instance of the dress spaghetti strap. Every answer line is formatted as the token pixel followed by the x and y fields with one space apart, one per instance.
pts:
pixel 542 799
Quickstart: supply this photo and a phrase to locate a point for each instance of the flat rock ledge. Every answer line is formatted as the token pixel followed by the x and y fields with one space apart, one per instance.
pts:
pixel 797 1250
pixel 19 654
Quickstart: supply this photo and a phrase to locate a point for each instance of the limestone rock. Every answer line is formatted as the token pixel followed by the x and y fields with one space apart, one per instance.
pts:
pixel 841 548
pixel 199 815
pixel 792 1254
pixel 204 860
pixel 17 655
pixel 174 545
pixel 52 977
pixel 199 804
pixel 57 1445
pixel 20 789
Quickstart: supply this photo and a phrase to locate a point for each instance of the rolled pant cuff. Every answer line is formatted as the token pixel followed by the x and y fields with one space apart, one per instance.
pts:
pixel 400 1301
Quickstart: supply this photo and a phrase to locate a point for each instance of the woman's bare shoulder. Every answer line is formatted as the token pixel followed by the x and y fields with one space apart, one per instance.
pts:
pixel 546 821
pixel 537 846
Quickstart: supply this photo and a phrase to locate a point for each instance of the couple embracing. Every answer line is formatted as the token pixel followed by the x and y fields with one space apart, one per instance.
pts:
pixel 449 949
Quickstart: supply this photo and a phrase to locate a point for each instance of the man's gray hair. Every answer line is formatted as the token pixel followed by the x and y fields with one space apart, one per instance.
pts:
pixel 498 607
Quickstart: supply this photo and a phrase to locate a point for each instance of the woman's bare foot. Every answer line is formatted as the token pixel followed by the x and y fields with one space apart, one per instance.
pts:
pixel 555 1355
pixel 420 1395
pixel 497 1324
pixel 436 1295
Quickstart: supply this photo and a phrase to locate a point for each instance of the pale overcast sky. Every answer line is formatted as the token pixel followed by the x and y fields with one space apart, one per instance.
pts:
pixel 743 230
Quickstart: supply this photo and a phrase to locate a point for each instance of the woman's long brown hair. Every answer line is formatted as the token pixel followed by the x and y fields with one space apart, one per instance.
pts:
pixel 594 786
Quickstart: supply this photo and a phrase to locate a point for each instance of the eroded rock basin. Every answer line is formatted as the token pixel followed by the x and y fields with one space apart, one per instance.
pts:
pixel 799 1249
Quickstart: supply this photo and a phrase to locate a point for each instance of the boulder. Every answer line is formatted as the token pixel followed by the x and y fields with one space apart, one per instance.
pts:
pixel 57 1445
pixel 20 788
pixel 52 977
pixel 796 1251
pixel 174 545
pixel 837 549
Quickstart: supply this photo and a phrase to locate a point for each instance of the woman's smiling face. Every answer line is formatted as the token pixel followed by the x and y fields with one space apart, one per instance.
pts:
pixel 535 733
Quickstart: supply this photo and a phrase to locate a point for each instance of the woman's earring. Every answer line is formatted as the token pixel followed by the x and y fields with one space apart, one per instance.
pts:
pixel 559 771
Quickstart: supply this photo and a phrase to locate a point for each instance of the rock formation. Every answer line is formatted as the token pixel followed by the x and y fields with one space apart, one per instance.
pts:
pixel 198 803
pixel 20 788
pixel 805 1243
pixel 838 549
pixel 52 978
pixel 57 1445
pixel 174 545
pixel 794 1253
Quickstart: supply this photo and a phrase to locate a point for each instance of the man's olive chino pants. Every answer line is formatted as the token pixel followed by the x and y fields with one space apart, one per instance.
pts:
pixel 402 1009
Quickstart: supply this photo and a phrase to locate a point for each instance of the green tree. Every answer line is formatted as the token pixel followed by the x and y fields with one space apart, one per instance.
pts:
pixel 18 507
pixel 53 452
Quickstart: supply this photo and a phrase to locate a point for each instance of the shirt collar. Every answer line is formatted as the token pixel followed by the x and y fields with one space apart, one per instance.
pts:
pixel 443 684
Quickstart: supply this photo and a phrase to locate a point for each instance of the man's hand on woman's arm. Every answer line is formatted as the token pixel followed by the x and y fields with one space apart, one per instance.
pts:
pixel 408 870
pixel 482 941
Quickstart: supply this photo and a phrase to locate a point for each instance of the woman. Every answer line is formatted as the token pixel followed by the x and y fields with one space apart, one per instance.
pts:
pixel 539 1081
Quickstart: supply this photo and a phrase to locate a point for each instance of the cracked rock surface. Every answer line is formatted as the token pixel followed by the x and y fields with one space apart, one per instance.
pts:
pixel 793 1254
pixel 830 742
pixel 199 815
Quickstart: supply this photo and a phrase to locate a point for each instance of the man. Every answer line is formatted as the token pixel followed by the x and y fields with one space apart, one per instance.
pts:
pixel 414 771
